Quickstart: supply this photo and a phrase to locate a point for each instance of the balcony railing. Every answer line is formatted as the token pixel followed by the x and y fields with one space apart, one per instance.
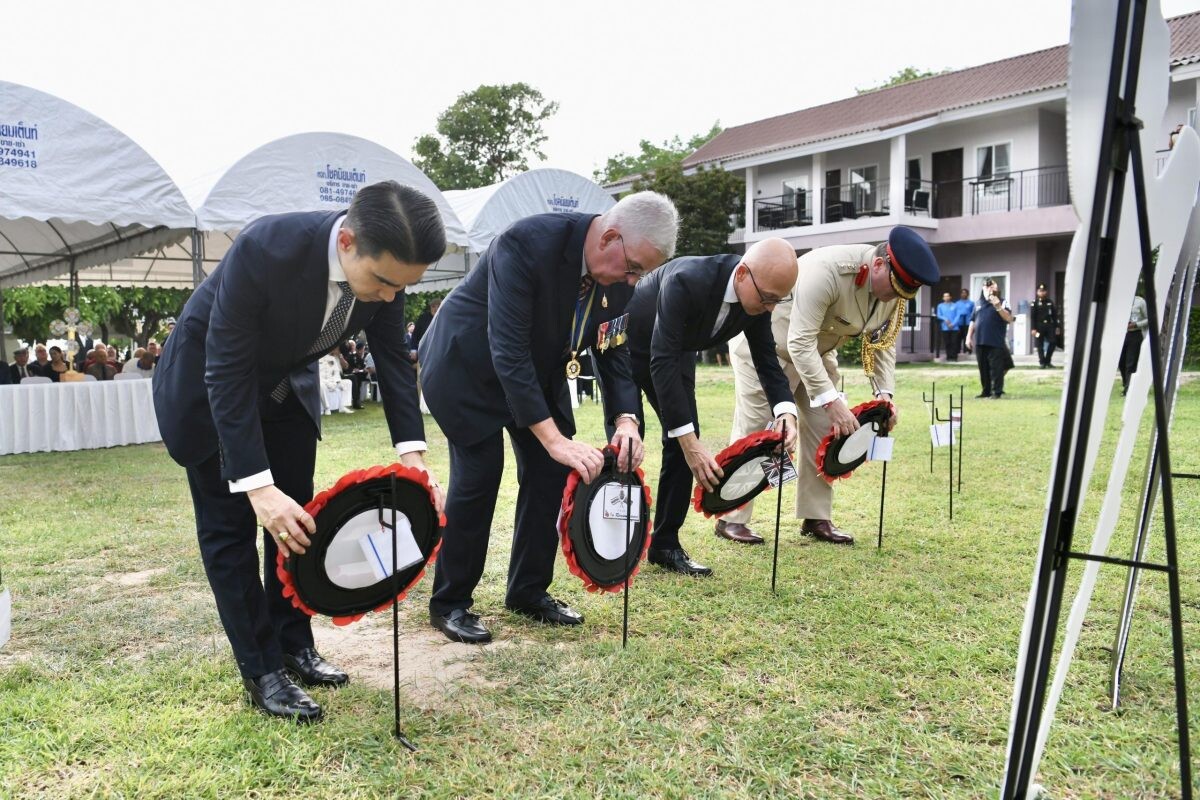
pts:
pixel 782 211
pixel 1043 187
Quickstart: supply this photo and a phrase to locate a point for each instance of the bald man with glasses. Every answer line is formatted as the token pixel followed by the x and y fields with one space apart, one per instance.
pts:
pixel 687 305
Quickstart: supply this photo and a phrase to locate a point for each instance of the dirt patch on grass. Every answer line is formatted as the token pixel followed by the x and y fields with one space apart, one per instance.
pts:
pixel 139 578
pixel 431 666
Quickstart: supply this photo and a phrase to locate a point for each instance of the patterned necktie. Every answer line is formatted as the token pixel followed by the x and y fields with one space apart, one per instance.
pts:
pixel 328 337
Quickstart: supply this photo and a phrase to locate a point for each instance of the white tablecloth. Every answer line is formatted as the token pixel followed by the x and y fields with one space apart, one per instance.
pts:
pixel 76 416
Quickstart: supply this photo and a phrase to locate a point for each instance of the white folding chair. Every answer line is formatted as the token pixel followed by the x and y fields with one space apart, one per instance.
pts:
pixel 89 378
pixel 36 379
pixel 128 376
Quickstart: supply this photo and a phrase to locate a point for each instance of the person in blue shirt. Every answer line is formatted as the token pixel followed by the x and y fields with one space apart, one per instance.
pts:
pixel 947 312
pixel 966 310
pixel 988 335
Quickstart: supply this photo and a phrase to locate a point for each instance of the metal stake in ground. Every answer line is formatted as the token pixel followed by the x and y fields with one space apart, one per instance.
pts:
pixel 384 523
pixel 960 435
pixel 932 401
pixel 882 495
pixel 778 506
pixel 628 537
pixel 950 476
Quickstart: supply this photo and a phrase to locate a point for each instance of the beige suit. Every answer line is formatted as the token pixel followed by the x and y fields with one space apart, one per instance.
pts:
pixel 827 310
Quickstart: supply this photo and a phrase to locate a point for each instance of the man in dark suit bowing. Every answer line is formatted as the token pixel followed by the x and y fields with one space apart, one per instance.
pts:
pixel 688 305
pixel 498 356
pixel 237 397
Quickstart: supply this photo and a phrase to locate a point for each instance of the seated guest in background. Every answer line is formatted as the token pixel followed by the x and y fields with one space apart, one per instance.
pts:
pixel 20 368
pixel 57 366
pixel 116 362
pixel 41 363
pixel 152 348
pixel 100 369
pixel 136 355
pixel 142 365
pixel 335 390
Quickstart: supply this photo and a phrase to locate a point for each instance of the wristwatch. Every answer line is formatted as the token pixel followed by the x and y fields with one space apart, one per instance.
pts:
pixel 620 417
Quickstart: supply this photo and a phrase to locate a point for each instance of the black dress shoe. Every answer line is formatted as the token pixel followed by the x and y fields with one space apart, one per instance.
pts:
pixel 550 610
pixel 982 396
pixel 312 670
pixel 461 625
pixel 275 695
pixel 677 560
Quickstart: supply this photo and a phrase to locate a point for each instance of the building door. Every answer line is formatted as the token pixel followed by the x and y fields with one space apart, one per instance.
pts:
pixel 833 195
pixel 947 182
pixel 948 283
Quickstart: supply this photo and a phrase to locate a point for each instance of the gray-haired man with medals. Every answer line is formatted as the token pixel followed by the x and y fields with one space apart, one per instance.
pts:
pixel 498 357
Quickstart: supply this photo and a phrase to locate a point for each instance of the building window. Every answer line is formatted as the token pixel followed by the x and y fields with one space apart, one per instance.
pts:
pixel 992 166
pixel 1191 117
pixel 913 174
pixel 864 184
pixel 795 198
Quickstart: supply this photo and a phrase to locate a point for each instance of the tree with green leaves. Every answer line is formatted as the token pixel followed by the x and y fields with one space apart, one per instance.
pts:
pixel 112 310
pixel 906 75
pixel 652 156
pixel 487 135
pixel 708 201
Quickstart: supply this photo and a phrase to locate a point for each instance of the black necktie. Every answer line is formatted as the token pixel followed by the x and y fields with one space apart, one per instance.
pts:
pixel 328 337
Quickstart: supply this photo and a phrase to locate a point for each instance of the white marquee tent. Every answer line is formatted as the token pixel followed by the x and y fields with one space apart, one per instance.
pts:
pixel 313 172
pixel 487 211
pixel 76 193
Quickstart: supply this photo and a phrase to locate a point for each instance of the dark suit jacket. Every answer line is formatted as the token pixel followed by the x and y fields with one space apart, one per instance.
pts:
pixel 671 317
pixel 420 328
pixel 496 351
pixel 252 323
pixel 15 377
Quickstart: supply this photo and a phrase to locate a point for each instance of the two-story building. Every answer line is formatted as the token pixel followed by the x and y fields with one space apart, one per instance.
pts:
pixel 975 160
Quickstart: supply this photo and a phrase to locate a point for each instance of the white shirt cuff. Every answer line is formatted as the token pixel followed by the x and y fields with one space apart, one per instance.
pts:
pixel 786 408
pixel 255 481
pixel 675 433
pixel 823 398
pixel 415 446
pixel 889 392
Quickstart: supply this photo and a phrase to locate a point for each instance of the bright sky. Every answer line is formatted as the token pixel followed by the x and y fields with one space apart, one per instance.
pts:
pixel 199 84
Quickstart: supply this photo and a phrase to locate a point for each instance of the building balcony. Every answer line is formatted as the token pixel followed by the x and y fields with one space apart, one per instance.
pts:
pixel 1020 190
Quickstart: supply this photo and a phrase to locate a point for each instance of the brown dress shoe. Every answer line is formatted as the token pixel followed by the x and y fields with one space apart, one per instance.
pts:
pixel 825 530
pixel 736 532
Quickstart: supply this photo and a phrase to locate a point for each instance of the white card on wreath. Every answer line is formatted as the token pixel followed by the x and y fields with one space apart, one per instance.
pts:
pixel 612 495
pixel 377 548
pixel 881 448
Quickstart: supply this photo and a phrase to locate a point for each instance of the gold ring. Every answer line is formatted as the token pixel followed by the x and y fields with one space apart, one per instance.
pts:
pixel 283 536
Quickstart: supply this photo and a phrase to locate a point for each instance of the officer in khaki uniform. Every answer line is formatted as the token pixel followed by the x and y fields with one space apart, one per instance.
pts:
pixel 752 412
pixel 842 292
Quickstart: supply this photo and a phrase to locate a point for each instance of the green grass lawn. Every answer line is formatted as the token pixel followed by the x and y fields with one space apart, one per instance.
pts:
pixel 870 674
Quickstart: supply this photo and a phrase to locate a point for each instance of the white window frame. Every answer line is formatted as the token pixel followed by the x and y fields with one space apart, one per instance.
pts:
pixel 920 301
pixel 995 186
pixel 977 284
pixel 874 184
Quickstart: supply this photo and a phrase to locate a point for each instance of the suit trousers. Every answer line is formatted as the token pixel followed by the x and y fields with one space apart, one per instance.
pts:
pixel 475 473
pixel 261 624
pixel 992 364
pixel 950 343
pixel 1046 344
pixel 674 477
pixel 1131 351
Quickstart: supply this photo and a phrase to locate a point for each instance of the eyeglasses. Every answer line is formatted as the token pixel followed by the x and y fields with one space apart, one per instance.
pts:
pixel 630 267
pixel 766 300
